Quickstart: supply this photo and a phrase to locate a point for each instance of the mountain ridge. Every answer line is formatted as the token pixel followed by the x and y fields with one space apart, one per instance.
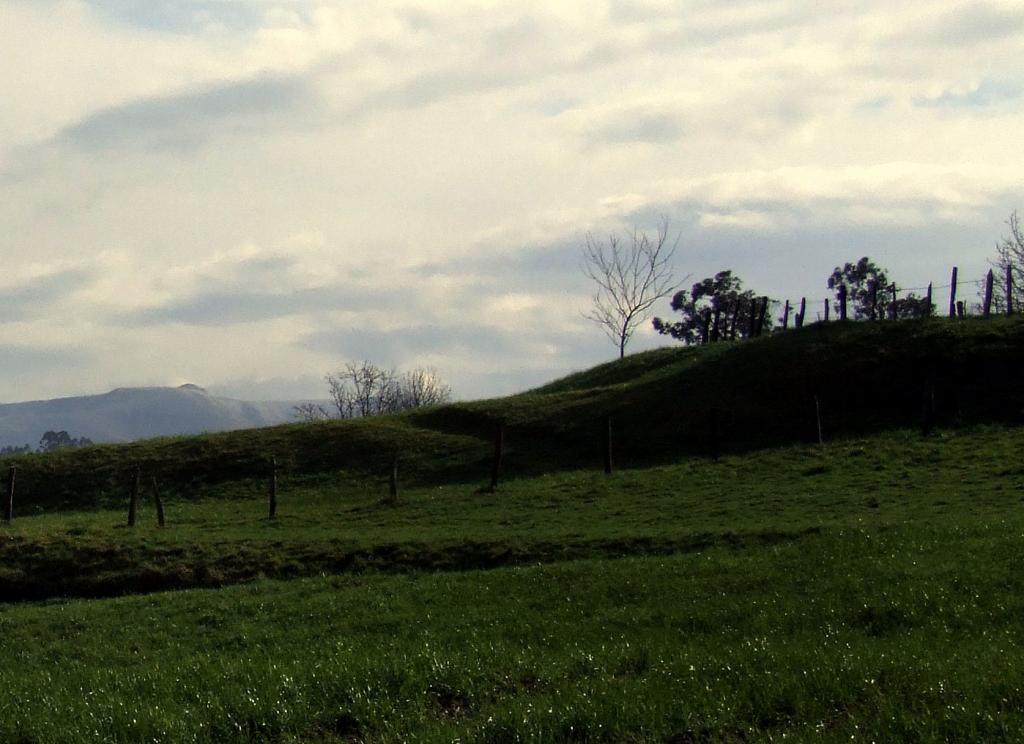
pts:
pixel 129 413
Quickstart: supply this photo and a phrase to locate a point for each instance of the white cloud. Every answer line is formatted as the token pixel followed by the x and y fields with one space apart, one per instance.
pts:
pixel 194 190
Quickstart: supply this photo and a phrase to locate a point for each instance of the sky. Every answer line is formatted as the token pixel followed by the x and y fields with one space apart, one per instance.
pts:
pixel 247 194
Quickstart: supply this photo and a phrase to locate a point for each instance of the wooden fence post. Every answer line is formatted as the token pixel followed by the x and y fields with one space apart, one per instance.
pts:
pixel 761 315
pixel 929 306
pixel 158 501
pixel 133 499
pixel 499 444
pixel 1009 290
pixel 273 487
pixel 842 302
pixel 393 481
pixel 785 317
pixel 826 310
pixel 952 294
pixel 12 473
pixel 608 446
pixel 986 305
pixel 802 314
pixel 894 314
pixel 960 310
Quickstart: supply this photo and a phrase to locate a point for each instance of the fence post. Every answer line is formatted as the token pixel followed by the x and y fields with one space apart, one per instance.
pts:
pixel 960 310
pixel 272 488
pixel 608 446
pixel 159 503
pixel 842 302
pixel 133 499
pixel 761 315
pixel 1009 290
pixel 952 294
pixel 895 314
pixel 393 481
pixel 826 310
pixel 785 317
pixel 929 306
pixel 986 307
pixel 499 444
pixel 803 313
pixel 12 473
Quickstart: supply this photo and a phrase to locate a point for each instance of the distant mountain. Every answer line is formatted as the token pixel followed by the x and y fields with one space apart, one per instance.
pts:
pixel 135 413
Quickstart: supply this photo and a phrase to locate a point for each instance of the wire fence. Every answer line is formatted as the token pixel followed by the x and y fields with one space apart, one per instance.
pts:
pixel 734 316
pixel 892 302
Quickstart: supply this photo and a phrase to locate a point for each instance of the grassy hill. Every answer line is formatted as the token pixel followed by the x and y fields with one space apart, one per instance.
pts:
pixel 862 377
pixel 866 589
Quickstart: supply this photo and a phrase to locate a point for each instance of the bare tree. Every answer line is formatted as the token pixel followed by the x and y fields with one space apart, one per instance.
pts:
pixel 630 278
pixel 310 411
pixel 364 389
pixel 1010 257
pixel 423 387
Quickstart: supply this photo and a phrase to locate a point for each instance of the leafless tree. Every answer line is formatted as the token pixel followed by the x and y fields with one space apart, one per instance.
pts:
pixel 310 412
pixel 630 277
pixel 423 387
pixel 364 389
pixel 1010 255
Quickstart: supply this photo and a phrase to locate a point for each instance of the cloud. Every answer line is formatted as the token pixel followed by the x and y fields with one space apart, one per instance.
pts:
pixel 985 94
pixel 185 121
pixel 183 17
pixel 20 361
pixel 638 125
pixel 233 306
pixel 35 295
pixel 976 23
pixel 279 186
pixel 244 286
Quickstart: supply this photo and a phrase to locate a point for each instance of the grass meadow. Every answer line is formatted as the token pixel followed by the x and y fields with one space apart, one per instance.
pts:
pixel 867 589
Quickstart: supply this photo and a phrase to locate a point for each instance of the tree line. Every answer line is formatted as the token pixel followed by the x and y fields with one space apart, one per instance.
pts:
pixel 50 441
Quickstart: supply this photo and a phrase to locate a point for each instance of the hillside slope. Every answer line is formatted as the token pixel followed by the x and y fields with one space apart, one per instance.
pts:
pixel 860 378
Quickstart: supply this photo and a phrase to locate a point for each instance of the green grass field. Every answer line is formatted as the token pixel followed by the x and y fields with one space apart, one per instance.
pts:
pixel 870 588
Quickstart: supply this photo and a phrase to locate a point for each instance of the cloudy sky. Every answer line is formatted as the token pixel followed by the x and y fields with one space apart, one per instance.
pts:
pixel 245 194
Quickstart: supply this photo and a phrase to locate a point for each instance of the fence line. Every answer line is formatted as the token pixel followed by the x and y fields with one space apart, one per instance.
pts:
pixel 888 297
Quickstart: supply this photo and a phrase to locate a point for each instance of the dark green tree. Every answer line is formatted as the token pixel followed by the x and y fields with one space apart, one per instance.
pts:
pixel 869 293
pixel 55 440
pixel 716 308
pixel 865 283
